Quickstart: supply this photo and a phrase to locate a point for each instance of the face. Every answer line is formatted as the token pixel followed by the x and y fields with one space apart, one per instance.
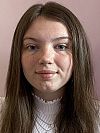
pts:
pixel 46 56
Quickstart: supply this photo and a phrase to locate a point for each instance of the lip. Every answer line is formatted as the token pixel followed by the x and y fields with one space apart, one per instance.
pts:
pixel 46 74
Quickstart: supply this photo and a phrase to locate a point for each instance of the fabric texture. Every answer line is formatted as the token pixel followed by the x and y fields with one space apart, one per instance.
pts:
pixel 45 114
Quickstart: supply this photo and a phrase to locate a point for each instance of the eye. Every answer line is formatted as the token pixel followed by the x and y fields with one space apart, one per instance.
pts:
pixel 32 47
pixel 61 47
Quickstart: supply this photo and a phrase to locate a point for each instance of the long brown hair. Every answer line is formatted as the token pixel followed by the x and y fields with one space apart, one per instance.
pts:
pixel 77 113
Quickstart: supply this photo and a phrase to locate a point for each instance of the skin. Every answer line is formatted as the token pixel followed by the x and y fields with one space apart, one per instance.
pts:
pixel 47 57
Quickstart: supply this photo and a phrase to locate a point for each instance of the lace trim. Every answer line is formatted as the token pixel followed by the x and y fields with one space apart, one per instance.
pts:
pixel 47 102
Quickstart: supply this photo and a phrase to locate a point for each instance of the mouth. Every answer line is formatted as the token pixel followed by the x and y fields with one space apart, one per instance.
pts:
pixel 46 74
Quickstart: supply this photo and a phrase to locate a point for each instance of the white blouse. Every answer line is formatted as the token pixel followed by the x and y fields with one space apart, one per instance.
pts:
pixel 45 114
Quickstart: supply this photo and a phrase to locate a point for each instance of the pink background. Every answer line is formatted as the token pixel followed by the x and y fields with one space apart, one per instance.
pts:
pixel 88 12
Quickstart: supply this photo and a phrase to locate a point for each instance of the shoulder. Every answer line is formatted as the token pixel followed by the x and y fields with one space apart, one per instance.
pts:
pixel 97 105
pixel 2 99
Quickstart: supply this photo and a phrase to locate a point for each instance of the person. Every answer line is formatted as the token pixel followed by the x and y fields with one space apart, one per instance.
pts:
pixel 50 84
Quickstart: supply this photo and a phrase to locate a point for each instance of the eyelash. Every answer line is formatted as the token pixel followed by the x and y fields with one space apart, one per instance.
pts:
pixel 32 47
pixel 62 47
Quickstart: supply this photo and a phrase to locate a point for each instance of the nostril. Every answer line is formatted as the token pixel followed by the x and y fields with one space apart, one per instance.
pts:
pixel 42 61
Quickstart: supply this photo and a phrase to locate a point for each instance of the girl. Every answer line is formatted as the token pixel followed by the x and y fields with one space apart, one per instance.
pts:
pixel 49 86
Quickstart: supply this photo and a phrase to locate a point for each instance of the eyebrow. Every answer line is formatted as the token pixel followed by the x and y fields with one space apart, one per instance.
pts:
pixel 55 39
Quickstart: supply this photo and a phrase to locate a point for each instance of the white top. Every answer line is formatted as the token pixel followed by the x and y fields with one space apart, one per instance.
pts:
pixel 45 114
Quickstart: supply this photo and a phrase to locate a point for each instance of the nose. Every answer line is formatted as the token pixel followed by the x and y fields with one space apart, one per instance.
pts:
pixel 46 56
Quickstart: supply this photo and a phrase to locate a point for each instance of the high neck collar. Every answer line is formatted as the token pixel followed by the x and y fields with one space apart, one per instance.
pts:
pixel 49 107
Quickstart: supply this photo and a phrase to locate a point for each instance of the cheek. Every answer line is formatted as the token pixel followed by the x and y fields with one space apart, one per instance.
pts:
pixel 27 62
pixel 64 62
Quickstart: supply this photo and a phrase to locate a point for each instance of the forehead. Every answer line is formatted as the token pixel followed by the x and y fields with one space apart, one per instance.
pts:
pixel 46 29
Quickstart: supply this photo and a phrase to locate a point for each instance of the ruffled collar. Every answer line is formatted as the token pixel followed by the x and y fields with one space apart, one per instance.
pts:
pixel 48 107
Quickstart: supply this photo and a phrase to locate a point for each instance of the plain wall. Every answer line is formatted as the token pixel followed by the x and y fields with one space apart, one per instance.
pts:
pixel 88 12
